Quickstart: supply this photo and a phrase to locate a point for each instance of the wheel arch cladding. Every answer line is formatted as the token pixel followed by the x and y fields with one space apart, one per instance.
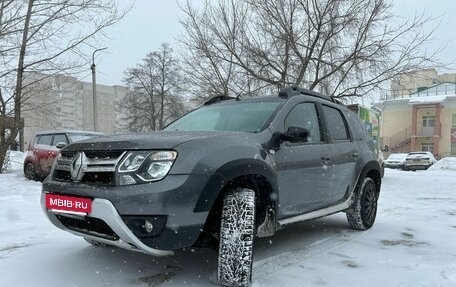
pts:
pixel 248 173
pixel 371 170
pixel 231 173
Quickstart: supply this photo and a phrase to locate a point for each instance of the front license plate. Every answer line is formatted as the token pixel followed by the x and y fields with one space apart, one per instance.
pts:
pixel 68 204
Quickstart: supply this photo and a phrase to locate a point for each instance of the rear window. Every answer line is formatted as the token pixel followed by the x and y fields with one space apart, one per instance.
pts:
pixel 356 127
pixel 44 139
pixel 336 124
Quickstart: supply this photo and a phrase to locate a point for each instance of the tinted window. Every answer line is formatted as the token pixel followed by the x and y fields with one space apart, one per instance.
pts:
pixel 356 127
pixel 305 115
pixel 336 124
pixel 234 116
pixel 60 138
pixel 45 140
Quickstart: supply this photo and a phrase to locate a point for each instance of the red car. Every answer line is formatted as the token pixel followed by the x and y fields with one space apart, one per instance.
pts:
pixel 44 147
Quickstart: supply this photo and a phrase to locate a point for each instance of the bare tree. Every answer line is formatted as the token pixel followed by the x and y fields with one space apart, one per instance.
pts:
pixel 341 48
pixel 46 36
pixel 153 100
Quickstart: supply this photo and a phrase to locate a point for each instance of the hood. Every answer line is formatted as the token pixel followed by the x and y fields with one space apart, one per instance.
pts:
pixel 143 141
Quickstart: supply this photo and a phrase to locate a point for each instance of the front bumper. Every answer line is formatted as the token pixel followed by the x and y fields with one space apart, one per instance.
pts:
pixel 105 210
pixel 173 198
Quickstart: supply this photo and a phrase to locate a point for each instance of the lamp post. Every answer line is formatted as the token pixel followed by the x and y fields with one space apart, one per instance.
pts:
pixel 94 89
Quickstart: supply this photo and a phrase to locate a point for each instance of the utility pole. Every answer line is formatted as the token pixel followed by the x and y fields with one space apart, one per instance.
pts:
pixel 94 89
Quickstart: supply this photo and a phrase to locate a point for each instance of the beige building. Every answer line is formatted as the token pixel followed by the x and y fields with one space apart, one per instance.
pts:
pixel 64 102
pixel 423 120
pixel 417 81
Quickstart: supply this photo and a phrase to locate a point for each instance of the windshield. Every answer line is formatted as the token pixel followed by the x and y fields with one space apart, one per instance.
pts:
pixel 234 116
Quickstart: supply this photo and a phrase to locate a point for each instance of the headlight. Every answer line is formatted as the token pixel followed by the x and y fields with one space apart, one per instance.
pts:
pixel 145 166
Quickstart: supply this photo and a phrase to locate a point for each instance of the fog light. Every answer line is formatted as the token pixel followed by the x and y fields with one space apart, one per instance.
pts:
pixel 127 180
pixel 148 226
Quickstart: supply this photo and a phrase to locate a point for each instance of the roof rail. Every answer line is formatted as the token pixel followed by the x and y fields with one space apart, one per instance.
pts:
pixel 291 91
pixel 216 99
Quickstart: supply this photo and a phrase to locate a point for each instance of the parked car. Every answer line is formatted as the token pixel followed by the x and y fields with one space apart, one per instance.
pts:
pixel 419 160
pixel 44 147
pixel 220 175
pixel 396 160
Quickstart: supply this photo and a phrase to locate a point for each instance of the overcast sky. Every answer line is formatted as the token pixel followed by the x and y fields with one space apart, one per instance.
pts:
pixel 153 22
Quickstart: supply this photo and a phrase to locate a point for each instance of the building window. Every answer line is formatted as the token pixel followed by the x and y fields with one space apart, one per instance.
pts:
pixel 453 148
pixel 427 147
pixel 428 121
pixel 453 121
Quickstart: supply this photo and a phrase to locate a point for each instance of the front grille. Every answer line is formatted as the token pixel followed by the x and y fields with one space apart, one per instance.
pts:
pixel 106 155
pixel 88 225
pixel 100 178
pixel 62 175
pixel 90 167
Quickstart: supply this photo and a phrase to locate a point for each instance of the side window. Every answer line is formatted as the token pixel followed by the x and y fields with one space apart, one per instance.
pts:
pixel 336 124
pixel 45 140
pixel 305 115
pixel 356 127
pixel 59 138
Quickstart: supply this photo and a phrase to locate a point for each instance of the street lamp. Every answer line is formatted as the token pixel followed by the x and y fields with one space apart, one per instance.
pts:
pixel 94 89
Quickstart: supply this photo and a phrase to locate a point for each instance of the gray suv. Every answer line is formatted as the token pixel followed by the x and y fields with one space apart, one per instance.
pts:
pixel 219 176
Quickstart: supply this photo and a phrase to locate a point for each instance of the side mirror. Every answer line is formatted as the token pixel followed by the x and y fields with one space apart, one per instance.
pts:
pixel 60 145
pixel 386 148
pixel 295 135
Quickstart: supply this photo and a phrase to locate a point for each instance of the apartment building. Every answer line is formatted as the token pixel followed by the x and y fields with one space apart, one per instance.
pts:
pixel 420 114
pixel 64 102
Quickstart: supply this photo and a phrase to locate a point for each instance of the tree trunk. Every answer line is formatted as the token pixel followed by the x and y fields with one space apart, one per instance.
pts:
pixel 18 90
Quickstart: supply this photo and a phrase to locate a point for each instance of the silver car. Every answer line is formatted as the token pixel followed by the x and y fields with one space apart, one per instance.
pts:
pixel 396 160
pixel 419 160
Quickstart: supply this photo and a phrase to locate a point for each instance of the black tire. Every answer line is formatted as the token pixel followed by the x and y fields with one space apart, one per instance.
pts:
pixel 94 243
pixel 236 238
pixel 362 213
pixel 29 171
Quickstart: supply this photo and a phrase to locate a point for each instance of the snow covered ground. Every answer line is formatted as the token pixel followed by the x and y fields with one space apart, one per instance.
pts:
pixel 411 244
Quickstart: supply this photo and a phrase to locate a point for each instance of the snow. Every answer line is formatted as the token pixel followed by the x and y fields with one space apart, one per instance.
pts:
pixel 446 163
pixel 411 244
pixel 15 160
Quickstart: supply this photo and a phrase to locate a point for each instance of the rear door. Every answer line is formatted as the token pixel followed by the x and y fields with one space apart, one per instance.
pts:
pixel 343 155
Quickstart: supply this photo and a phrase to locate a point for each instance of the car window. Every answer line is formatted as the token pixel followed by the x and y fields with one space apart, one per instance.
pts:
pixel 45 140
pixel 59 138
pixel 356 127
pixel 336 124
pixel 304 115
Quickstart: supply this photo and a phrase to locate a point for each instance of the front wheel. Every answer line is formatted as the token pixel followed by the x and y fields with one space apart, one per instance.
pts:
pixel 236 238
pixel 362 213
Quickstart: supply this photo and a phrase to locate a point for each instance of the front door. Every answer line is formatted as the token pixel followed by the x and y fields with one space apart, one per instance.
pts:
pixel 302 170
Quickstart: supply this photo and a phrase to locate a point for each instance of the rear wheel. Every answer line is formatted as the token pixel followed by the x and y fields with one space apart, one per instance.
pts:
pixel 236 238
pixel 29 171
pixel 361 215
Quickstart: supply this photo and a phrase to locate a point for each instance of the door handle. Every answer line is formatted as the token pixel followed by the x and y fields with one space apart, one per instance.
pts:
pixel 355 155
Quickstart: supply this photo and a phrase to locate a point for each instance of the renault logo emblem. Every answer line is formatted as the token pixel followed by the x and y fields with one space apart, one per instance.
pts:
pixel 76 166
